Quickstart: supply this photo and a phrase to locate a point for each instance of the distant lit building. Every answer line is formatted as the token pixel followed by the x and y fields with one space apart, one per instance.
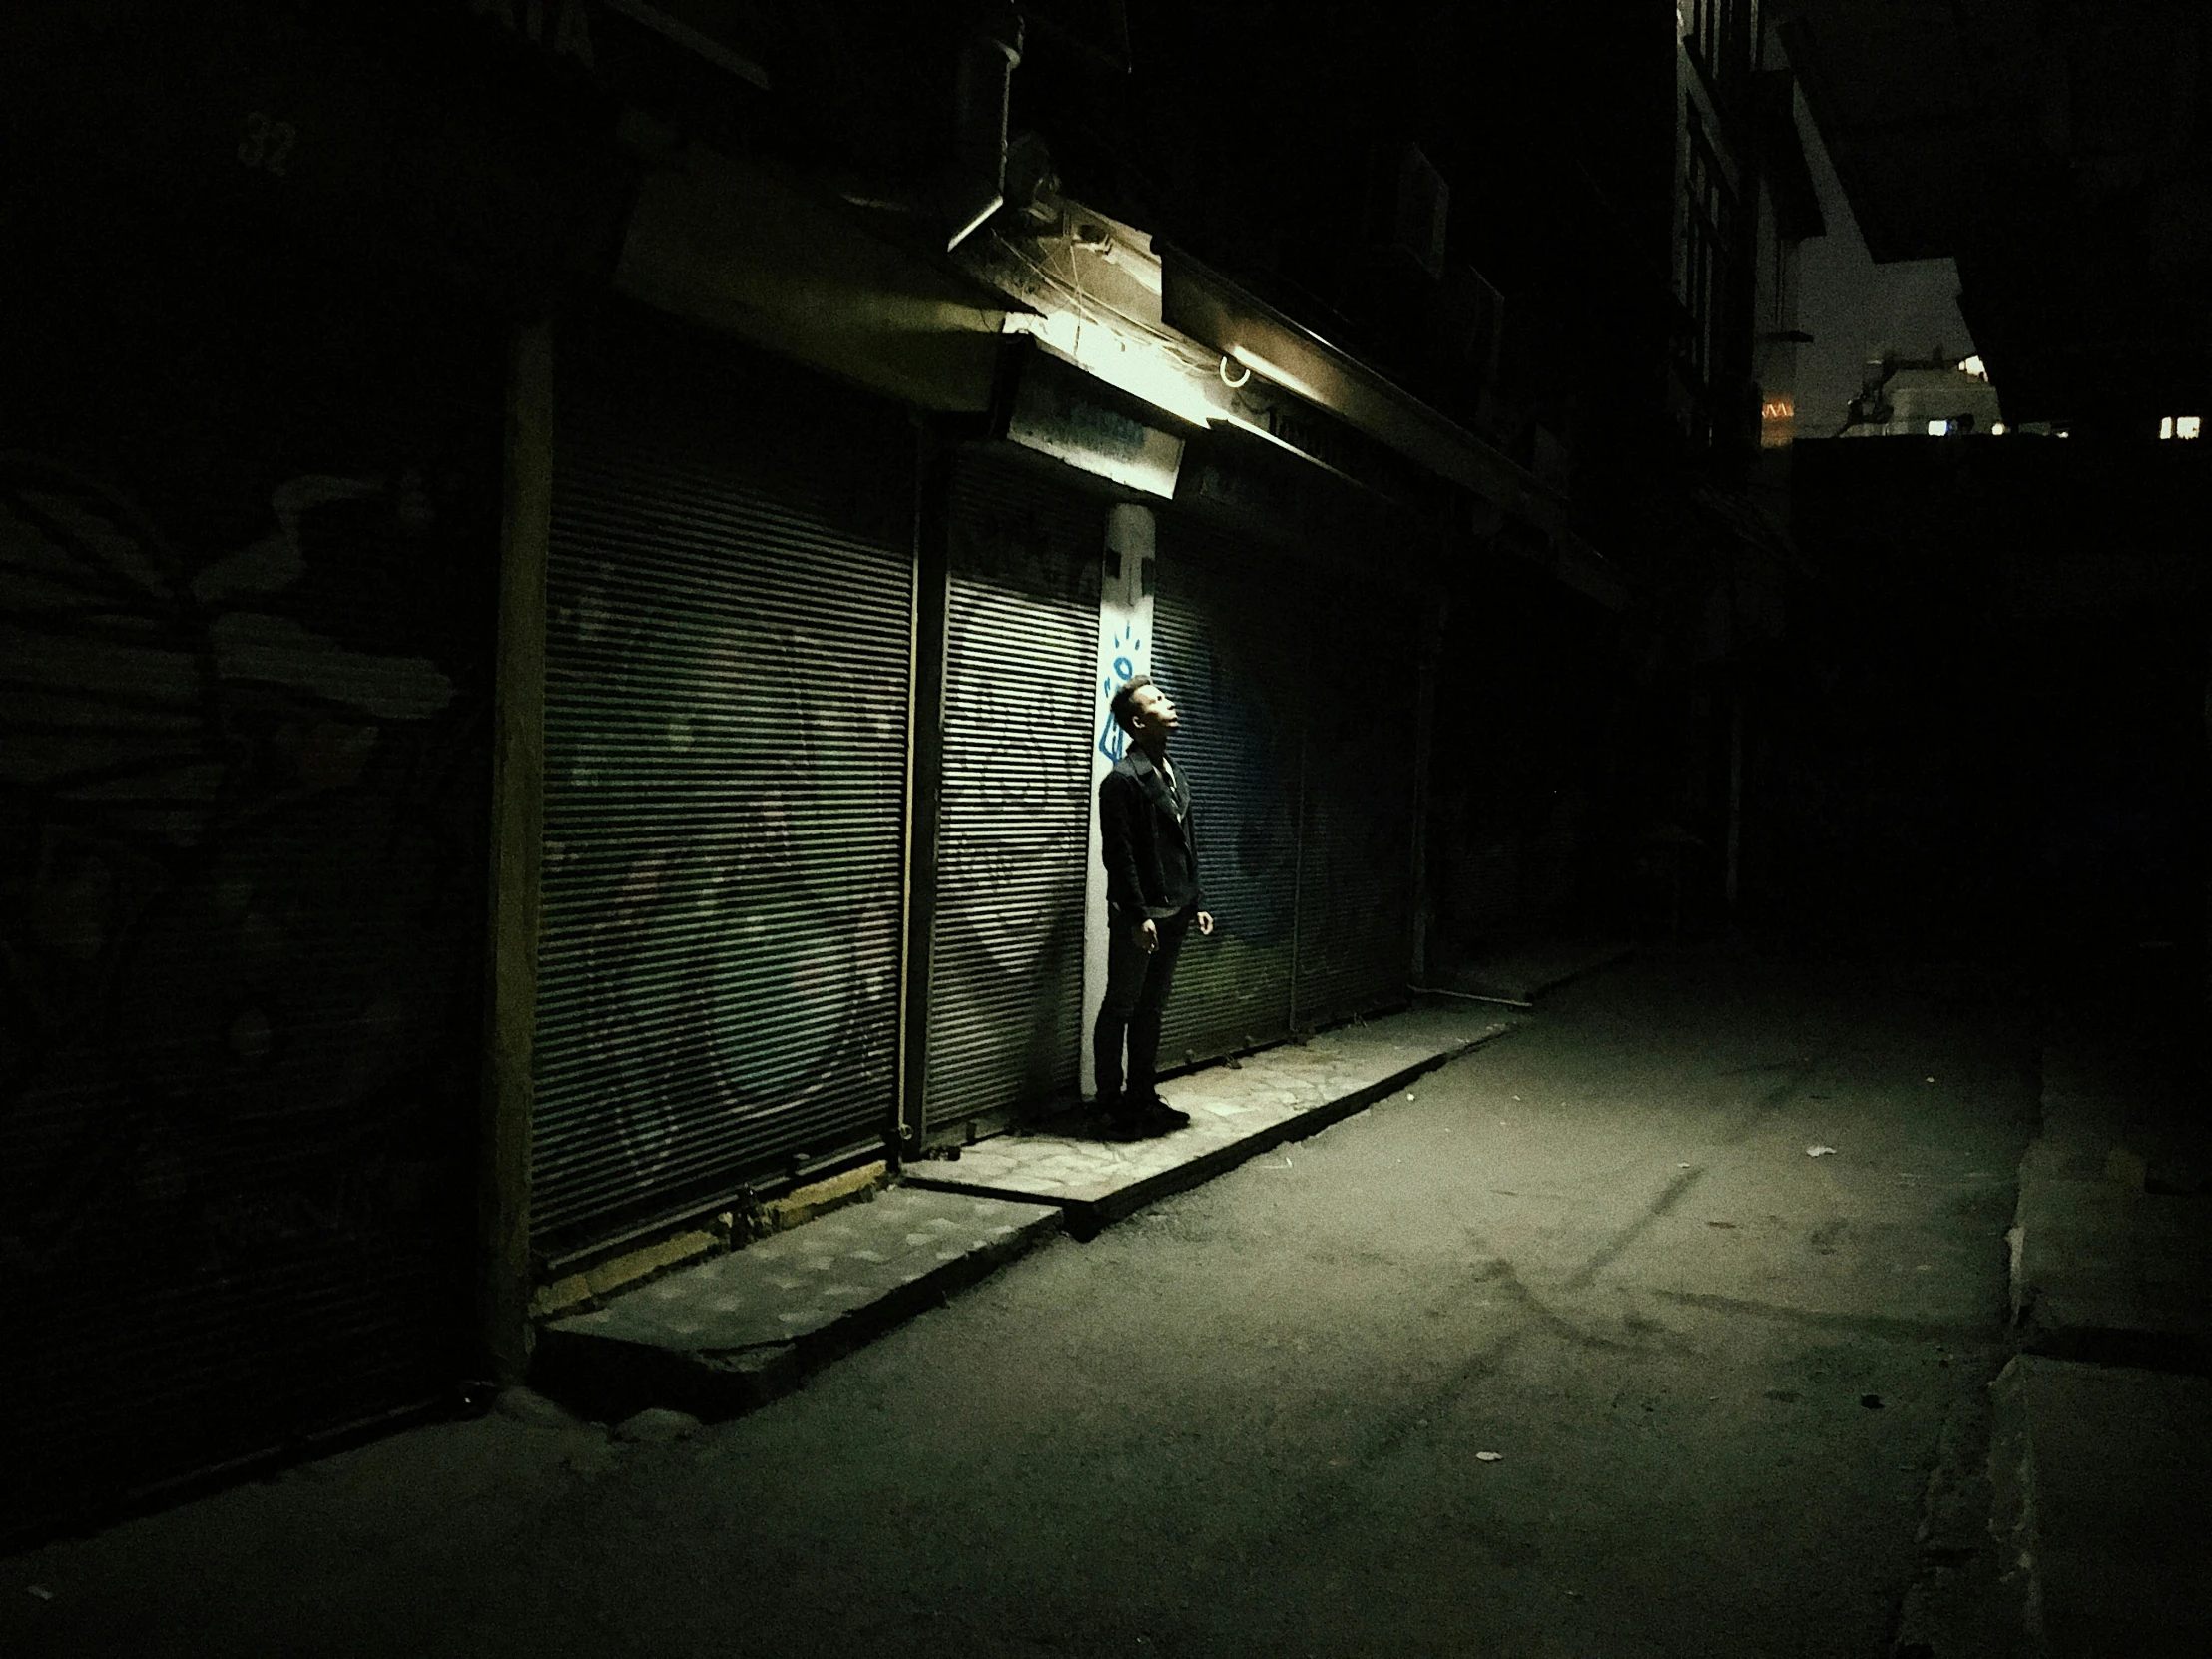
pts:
pixel 1938 396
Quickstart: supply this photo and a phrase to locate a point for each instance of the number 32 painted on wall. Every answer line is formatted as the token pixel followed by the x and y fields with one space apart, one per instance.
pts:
pixel 267 144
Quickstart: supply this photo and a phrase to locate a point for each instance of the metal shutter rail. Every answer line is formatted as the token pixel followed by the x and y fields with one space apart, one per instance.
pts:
pixel 1355 847
pixel 728 657
pixel 1227 648
pixel 1007 966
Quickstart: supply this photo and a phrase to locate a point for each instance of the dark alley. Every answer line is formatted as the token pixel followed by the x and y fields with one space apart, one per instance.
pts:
pixel 1093 826
pixel 1718 1375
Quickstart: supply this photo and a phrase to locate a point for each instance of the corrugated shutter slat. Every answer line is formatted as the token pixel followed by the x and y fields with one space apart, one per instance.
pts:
pixel 1007 972
pixel 728 660
pixel 1227 647
pixel 1355 847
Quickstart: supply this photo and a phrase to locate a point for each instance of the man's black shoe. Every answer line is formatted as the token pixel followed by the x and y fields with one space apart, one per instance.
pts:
pixel 1159 1118
pixel 1111 1120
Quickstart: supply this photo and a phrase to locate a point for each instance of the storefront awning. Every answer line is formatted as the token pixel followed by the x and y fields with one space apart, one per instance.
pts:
pixel 1199 303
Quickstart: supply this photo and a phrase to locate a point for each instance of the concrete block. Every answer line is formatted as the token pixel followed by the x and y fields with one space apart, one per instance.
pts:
pixel 730 1333
pixel 656 1425
pixel 2105 1269
pixel 2101 1475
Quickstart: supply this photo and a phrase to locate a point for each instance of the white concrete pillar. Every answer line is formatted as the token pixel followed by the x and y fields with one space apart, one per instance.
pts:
pixel 1124 648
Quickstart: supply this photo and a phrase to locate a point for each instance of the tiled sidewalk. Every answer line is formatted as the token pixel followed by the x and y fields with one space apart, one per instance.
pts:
pixel 1236 1112
pixel 739 1330
pixel 732 1332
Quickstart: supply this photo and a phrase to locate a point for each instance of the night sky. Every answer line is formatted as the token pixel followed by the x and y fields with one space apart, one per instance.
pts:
pixel 1855 310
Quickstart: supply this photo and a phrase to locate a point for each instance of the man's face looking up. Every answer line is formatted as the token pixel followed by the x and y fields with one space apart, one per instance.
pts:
pixel 1152 718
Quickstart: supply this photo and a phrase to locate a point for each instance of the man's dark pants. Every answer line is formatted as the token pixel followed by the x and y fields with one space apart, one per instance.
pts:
pixel 1137 988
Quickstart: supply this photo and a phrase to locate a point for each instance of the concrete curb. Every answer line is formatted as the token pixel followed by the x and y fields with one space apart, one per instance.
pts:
pixel 2107 1267
pixel 2099 1420
pixel 1967 1598
pixel 1087 1217
pixel 1524 976
pixel 2098 1473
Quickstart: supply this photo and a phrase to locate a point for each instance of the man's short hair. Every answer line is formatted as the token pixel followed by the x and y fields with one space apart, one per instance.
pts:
pixel 1125 700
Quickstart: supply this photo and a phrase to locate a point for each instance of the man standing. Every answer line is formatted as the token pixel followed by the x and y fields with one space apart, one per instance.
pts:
pixel 1151 897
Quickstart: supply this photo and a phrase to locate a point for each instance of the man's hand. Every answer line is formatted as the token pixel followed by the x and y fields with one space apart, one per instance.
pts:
pixel 1148 937
pixel 1205 921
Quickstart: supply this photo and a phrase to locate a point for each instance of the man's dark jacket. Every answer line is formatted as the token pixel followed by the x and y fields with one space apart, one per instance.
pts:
pixel 1151 857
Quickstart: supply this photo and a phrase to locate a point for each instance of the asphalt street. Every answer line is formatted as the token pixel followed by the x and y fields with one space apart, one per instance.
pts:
pixel 1576 1351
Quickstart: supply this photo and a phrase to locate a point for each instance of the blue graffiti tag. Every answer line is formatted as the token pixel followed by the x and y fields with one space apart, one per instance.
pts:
pixel 1111 738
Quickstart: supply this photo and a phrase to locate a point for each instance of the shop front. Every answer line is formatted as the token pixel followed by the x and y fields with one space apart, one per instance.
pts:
pixel 729 662
pixel 1284 617
pixel 1289 625
pixel 249 533
pixel 1005 1003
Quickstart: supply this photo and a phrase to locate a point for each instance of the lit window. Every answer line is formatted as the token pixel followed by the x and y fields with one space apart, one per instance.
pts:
pixel 1973 367
pixel 2188 426
pixel 1938 428
pixel 1777 421
pixel 2166 426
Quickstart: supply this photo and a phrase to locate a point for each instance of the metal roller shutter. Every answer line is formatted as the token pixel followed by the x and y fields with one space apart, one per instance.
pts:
pixel 1228 647
pixel 1006 964
pixel 245 614
pixel 727 661
pixel 1355 844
